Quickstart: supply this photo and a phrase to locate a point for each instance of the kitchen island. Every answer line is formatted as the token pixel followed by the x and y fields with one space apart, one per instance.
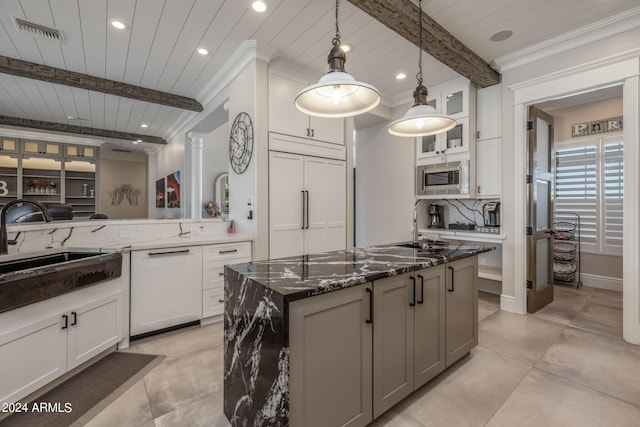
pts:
pixel 338 338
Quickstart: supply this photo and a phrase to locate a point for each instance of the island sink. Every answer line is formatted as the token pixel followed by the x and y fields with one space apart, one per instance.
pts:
pixel 32 278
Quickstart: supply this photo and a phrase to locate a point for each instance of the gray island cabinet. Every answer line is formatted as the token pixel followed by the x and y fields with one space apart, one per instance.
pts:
pixel 336 339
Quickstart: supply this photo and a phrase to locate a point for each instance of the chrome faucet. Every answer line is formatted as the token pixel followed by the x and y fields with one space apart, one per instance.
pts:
pixel 4 248
pixel 415 222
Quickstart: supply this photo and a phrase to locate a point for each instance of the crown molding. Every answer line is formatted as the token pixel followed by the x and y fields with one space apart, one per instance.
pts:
pixel 604 28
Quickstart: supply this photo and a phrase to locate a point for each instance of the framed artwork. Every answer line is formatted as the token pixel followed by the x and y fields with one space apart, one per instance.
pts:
pixel 173 190
pixel 160 191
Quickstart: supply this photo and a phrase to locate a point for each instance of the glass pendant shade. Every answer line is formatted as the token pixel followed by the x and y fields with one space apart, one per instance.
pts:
pixel 337 93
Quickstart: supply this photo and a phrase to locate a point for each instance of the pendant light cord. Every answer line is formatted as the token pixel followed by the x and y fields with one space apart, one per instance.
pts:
pixel 336 40
pixel 419 75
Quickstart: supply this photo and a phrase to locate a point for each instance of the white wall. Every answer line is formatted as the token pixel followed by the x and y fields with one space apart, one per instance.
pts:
pixel 215 159
pixel 385 170
pixel 169 159
pixel 117 170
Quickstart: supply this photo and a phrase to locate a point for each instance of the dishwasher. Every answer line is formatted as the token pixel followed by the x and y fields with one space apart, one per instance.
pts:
pixel 166 289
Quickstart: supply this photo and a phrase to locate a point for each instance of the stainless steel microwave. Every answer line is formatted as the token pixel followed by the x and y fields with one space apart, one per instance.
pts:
pixel 443 178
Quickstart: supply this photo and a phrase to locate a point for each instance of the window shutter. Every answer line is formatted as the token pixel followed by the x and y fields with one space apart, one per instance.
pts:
pixel 613 191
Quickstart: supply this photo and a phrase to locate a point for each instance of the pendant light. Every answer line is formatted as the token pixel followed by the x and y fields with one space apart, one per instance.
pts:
pixel 337 93
pixel 421 119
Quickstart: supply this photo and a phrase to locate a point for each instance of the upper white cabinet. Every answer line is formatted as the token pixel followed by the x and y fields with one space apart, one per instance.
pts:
pixel 285 118
pixel 456 99
pixel 489 145
pixel 489 112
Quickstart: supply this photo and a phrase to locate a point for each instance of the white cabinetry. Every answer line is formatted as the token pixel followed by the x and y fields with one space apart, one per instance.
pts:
pixel 166 288
pixel 214 258
pixel 285 118
pixel 42 341
pixel 489 145
pixel 457 99
pixel 307 204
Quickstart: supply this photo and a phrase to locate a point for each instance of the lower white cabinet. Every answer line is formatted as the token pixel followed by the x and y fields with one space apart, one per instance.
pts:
pixel 489 168
pixel 307 204
pixel 214 258
pixel 42 341
pixel 166 288
pixel 330 359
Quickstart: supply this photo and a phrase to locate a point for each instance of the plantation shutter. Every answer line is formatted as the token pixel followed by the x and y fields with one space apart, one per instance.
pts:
pixel 613 196
pixel 576 189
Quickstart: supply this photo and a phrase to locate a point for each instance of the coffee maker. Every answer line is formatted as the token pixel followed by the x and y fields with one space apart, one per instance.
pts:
pixel 491 213
pixel 436 216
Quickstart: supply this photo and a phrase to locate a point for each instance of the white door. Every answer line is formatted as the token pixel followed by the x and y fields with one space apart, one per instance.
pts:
pixel 325 184
pixel 93 328
pixel 287 216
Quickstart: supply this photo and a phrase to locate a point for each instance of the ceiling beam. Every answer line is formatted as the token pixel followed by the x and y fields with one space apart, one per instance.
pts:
pixel 402 17
pixel 59 127
pixel 31 70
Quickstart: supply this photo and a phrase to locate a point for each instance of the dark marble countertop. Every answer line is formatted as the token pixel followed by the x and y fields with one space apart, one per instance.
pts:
pixel 307 275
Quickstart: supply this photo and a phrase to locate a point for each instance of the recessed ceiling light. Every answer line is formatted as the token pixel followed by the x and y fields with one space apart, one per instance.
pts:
pixel 118 24
pixel 259 6
pixel 72 117
pixel 401 76
pixel 203 51
pixel 137 141
pixel 346 47
pixel 144 125
pixel 501 35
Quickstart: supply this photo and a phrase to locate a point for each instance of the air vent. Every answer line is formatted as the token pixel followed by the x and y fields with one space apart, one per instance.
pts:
pixel 120 150
pixel 38 30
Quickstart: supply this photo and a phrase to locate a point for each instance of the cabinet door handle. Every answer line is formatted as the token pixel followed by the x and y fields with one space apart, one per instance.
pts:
pixel 478 189
pixel 313 132
pixel 370 292
pixel 413 281
pixel 421 300
pixel 302 192
pixel 74 318
pixel 221 274
pixel 180 252
pixel 307 132
pixel 307 209
pixel 228 251
pixel 65 325
pixel 221 300
pixel 452 279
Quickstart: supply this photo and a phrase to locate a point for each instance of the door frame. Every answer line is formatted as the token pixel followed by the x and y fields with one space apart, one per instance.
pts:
pixel 623 69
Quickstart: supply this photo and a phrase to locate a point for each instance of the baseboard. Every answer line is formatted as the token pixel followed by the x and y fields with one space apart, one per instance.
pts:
pixel 508 303
pixel 601 282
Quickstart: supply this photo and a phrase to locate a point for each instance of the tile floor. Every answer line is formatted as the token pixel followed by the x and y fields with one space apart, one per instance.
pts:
pixel 566 365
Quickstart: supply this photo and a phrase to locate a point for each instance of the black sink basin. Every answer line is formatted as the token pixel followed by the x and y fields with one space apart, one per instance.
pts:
pixel 426 247
pixel 31 279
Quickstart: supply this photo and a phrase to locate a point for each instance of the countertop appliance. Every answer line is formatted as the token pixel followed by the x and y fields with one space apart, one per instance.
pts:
pixel 491 213
pixel 443 179
pixel 436 216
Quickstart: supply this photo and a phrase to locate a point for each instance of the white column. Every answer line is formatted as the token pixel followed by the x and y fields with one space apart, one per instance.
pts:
pixel 196 142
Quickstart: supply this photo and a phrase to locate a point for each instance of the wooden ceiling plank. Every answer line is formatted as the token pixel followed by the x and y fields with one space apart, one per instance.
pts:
pixel 118 41
pixel 81 130
pixel 66 16
pixel 401 16
pixel 32 70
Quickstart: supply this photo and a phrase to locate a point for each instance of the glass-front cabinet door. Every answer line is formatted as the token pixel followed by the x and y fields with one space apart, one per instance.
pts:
pixel 8 179
pixel 41 147
pixel 453 141
pixel 9 145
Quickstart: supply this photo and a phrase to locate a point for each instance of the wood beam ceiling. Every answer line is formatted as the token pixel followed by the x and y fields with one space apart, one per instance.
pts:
pixel 18 67
pixel 402 17
pixel 59 127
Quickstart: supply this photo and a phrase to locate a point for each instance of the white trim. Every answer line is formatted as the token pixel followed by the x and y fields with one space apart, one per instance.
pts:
pixel 601 282
pixel 599 30
pixel 631 212
pixel 508 303
pixel 51 136
pixel 307 147
pixel 519 209
pixel 240 59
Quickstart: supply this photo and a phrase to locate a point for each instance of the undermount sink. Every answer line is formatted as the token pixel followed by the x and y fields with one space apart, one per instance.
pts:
pixel 30 279
pixel 428 247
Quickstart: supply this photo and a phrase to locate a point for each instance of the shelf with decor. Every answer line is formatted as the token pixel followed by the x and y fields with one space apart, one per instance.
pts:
pixel 8 179
pixel 80 187
pixel 41 179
